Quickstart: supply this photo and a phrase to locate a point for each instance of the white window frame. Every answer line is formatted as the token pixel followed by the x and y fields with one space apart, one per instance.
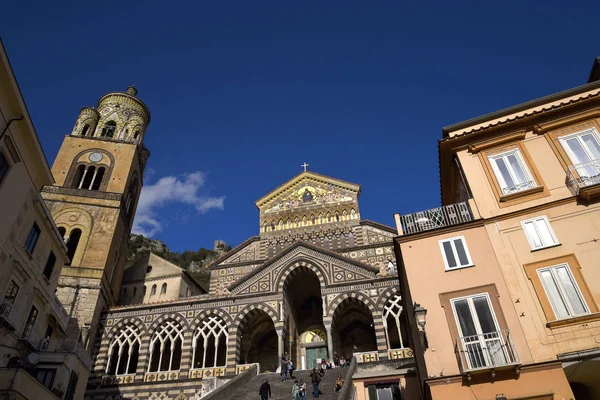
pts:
pixel 500 179
pixel 548 226
pixel 451 240
pixel 561 291
pixel 563 142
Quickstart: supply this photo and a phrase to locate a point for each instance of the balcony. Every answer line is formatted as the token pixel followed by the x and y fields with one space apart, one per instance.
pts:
pixel 435 218
pixel 60 313
pixel 48 347
pixel 18 384
pixel 486 352
pixel 584 179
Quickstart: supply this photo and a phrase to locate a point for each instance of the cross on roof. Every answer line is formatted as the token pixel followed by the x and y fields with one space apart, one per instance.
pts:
pixel 304 166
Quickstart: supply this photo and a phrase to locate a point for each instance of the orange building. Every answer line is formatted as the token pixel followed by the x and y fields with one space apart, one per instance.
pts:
pixel 501 284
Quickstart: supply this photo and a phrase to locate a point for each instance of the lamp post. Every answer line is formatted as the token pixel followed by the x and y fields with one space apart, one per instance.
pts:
pixel 420 314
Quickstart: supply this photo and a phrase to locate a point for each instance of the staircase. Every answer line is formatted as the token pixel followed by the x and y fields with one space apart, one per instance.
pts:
pixel 283 390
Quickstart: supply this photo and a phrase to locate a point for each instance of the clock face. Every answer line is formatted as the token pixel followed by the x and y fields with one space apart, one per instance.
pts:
pixel 95 157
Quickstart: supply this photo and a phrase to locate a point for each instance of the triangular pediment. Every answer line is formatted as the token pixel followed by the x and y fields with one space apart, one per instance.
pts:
pixel 308 189
pixel 332 269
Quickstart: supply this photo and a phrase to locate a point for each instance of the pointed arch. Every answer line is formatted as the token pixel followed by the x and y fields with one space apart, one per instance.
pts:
pixel 166 346
pixel 124 350
pixel 320 271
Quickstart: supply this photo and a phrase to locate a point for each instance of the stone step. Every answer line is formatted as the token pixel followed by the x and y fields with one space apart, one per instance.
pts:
pixel 283 390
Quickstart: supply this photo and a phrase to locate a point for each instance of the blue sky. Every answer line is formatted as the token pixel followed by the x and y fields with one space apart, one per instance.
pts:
pixel 243 92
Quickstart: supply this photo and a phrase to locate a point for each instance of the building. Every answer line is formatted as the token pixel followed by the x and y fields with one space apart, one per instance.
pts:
pixel 500 284
pixel 37 359
pixel 317 282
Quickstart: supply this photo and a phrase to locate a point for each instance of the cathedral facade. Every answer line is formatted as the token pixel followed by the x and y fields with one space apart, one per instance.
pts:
pixel 317 282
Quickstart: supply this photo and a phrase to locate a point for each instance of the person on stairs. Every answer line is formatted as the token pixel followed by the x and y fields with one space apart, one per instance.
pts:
pixel 296 390
pixel 284 368
pixel 315 377
pixel 265 391
pixel 339 383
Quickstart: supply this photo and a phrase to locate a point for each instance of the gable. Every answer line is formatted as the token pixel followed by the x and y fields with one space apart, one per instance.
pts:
pixel 329 267
pixel 308 189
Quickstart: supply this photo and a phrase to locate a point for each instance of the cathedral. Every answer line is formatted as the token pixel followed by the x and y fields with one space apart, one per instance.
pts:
pixel 317 281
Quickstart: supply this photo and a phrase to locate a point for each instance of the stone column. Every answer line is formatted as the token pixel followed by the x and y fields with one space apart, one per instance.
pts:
pixel 279 348
pixel 329 342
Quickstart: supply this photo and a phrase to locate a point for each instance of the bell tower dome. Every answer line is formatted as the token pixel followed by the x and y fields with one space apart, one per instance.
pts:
pixel 98 179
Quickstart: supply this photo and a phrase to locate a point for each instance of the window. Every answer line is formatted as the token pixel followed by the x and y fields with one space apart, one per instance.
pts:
pixel 455 252
pixel 391 322
pixel 188 292
pixel 482 344
pixel 11 292
pixel 539 233
pixel 45 376
pixel 562 291
pixel 165 347
pixel 384 391
pixel 50 265
pixel 73 242
pixel 85 130
pixel 4 166
pixel 73 379
pixel 109 129
pixel 88 177
pixel 153 290
pixel 30 322
pixel 511 172
pixel 209 347
pixel 136 135
pixel 583 149
pixel 32 238
pixel 163 288
pixel 123 351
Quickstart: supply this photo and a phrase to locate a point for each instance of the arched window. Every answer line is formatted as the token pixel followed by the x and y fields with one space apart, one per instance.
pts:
pixel 296 222
pixel 73 242
pixel 313 220
pixel 85 130
pixel 280 224
pixel 210 344
pixel 136 135
pixel 265 226
pixel 153 290
pixel 328 217
pixel 131 195
pixel 391 322
pixel 109 129
pixel 337 217
pixel 352 214
pixel 165 347
pixel 304 221
pixel 62 231
pixel 88 177
pixel 320 218
pixel 344 215
pixel 188 292
pixel 124 351
pixel 163 288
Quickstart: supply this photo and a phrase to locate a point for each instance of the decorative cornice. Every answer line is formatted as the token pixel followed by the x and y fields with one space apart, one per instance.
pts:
pixel 486 144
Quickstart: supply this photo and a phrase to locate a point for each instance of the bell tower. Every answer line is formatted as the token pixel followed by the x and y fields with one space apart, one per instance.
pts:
pixel 99 174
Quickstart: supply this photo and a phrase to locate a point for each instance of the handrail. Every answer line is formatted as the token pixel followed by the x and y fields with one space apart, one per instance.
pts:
pixel 348 387
pixel 486 351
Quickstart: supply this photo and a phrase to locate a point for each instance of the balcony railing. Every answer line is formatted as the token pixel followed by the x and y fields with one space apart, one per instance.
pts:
pixel 61 314
pixel 486 351
pixel 5 309
pixel 27 331
pixel 434 218
pixel 582 176
pixel 518 188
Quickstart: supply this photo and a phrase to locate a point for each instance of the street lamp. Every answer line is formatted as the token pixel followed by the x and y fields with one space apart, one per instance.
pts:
pixel 420 314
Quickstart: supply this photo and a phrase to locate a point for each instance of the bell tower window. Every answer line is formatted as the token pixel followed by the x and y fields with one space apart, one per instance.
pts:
pixel 88 177
pixel 73 242
pixel 109 129
pixel 85 130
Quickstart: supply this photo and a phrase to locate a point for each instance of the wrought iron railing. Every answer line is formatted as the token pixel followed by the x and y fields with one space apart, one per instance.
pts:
pixel 27 331
pixel 518 188
pixel 434 218
pixel 583 175
pixel 486 351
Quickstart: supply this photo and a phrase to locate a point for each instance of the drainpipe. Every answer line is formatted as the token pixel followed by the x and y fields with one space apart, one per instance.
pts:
pixel 8 125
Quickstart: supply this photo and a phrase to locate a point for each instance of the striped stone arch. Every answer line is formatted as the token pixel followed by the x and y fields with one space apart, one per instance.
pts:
pixel 385 296
pixel 185 326
pixel 317 269
pixel 208 312
pixel 124 322
pixel 238 322
pixel 358 296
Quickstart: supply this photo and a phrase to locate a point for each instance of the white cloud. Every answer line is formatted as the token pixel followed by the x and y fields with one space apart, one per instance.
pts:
pixel 171 189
